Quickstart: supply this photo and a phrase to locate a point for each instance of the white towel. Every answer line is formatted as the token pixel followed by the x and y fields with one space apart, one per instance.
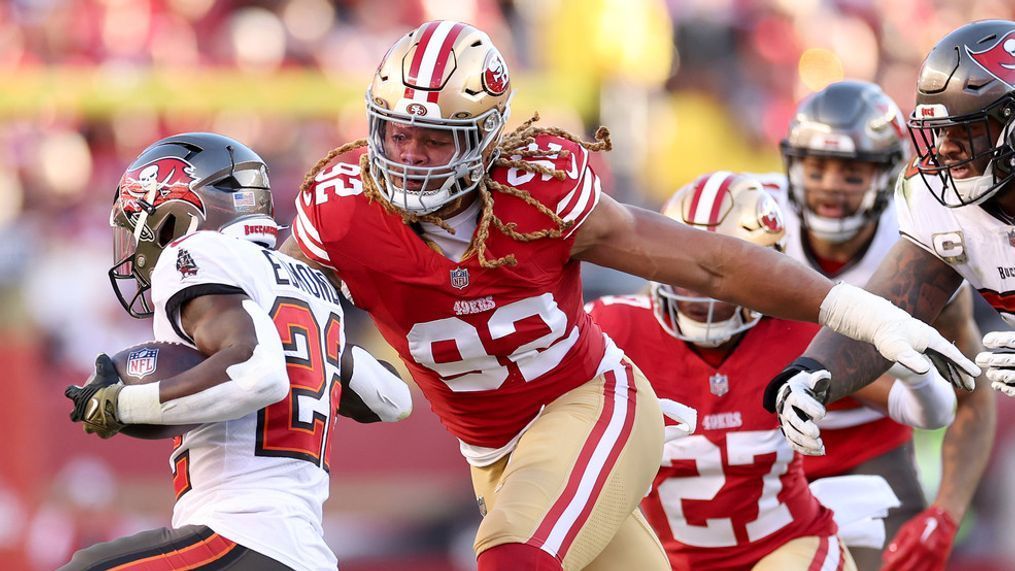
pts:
pixel 860 504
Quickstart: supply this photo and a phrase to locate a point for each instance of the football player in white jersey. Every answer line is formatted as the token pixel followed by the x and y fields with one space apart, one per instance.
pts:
pixel 956 211
pixel 845 147
pixel 193 218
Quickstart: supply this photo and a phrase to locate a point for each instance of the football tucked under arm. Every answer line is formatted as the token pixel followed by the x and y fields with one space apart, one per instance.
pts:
pixel 372 391
pixel 245 370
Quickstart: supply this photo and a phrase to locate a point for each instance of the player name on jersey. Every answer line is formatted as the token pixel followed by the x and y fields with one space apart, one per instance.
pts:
pixel 292 273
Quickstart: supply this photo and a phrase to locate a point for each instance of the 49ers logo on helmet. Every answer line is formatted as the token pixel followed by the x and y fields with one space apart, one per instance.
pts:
pixel 999 59
pixel 769 215
pixel 495 74
pixel 169 177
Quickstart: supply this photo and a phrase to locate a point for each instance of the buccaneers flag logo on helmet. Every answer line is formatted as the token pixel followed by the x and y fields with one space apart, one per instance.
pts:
pixel 998 60
pixel 169 177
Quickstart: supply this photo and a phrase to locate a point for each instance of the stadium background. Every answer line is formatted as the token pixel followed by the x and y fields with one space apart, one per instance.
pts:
pixel 686 86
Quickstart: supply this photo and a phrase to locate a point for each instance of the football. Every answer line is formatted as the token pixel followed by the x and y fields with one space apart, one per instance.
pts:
pixel 150 362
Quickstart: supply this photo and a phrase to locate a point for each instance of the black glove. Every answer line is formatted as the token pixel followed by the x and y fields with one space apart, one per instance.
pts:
pixel 800 364
pixel 95 402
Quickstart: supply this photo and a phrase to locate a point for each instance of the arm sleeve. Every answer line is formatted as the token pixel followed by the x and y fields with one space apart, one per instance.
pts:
pixel 582 199
pixel 923 401
pixel 305 230
pixel 253 384
pixel 376 389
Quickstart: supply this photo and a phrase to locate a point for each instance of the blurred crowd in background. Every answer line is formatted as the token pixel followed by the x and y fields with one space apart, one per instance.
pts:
pixel 686 86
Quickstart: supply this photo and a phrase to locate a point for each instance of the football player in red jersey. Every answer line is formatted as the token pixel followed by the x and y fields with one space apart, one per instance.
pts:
pixel 732 496
pixel 955 209
pixel 845 148
pixel 482 297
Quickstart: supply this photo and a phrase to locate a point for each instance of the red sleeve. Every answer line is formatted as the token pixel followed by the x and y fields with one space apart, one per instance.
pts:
pixel 322 213
pixel 572 198
pixel 582 199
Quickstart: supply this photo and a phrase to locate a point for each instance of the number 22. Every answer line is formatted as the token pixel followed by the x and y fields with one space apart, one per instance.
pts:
pixel 281 430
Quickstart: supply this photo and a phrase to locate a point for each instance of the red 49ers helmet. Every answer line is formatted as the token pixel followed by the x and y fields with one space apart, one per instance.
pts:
pixel 446 76
pixel 967 86
pixel 730 204
pixel 178 185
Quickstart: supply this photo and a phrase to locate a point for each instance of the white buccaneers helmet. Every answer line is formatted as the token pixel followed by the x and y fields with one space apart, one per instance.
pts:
pixel 730 204
pixel 443 75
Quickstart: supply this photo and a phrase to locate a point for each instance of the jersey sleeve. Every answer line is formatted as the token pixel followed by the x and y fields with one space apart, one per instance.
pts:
pixel 583 197
pixel 906 208
pixel 202 263
pixel 323 213
pixel 572 197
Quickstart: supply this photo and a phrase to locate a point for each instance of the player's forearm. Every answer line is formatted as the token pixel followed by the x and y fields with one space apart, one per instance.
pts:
pixel 966 449
pixel 372 389
pixel 209 373
pixel 654 247
pixel 853 364
pixel 910 278
pixel 241 389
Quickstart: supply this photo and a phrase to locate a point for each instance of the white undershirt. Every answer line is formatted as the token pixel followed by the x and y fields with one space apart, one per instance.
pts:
pixel 464 224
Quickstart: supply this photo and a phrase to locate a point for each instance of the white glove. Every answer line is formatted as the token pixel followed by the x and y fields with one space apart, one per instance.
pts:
pixel 898 336
pixel 999 360
pixel 685 416
pixel 800 404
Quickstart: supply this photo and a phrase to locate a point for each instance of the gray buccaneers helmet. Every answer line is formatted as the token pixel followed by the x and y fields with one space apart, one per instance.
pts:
pixel 968 79
pixel 852 120
pixel 181 184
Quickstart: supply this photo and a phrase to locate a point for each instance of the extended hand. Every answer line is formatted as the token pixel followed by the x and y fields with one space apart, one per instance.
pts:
pixel 95 402
pixel 999 360
pixel 922 543
pixel 898 336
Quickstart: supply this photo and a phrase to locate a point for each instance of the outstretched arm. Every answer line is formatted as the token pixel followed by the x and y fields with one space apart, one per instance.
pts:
pixel 657 248
pixel 654 247
pixel 911 278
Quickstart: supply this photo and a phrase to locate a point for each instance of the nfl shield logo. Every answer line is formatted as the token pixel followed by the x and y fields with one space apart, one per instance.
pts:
pixel 1011 238
pixel 142 362
pixel 459 278
pixel 719 384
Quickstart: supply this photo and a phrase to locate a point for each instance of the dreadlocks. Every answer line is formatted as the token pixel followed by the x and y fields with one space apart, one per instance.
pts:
pixel 513 149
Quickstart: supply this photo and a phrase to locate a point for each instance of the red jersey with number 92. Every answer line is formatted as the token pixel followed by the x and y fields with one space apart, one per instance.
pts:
pixel 734 491
pixel 488 347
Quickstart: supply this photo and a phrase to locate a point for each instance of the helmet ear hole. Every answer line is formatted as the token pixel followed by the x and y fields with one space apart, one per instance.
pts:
pixel 167 232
